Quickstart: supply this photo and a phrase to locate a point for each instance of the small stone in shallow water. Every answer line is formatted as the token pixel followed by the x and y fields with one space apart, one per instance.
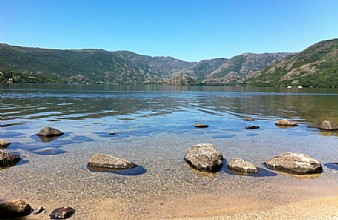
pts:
pixel 7 159
pixel 39 210
pixel 241 166
pixel 198 125
pixel 62 213
pixel 252 127
pixel 111 162
pixel 286 123
pixel 328 126
pixel 248 119
pixel 50 132
pixel 4 143
pixel 14 209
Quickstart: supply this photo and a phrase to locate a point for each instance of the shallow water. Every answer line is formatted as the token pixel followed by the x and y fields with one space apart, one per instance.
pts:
pixel 153 126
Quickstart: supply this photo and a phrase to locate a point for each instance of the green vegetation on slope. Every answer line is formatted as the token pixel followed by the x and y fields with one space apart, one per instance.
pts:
pixel 316 66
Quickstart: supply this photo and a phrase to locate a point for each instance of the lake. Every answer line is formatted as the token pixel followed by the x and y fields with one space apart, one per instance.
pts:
pixel 153 126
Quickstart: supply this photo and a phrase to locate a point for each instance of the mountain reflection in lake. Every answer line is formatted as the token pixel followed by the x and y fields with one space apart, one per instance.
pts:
pixel 23 103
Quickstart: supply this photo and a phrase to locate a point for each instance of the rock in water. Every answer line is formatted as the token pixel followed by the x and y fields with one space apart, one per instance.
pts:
pixel 204 157
pixel 252 127
pixel 50 132
pixel 14 209
pixel 111 162
pixel 241 166
pixel 4 143
pixel 328 126
pixel 198 125
pixel 295 163
pixel 249 119
pixel 7 159
pixel 62 213
pixel 286 123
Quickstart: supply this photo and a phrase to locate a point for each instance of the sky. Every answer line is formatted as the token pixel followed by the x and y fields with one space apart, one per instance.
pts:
pixel 190 30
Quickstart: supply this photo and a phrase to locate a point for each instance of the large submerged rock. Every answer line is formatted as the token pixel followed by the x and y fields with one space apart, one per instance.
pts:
pixel 50 132
pixel 14 209
pixel 328 126
pixel 240 166
pixel 109 161
pixel 204 157
pixel 4 143
pixel 295 163
pixel 7 159
pixel 286 123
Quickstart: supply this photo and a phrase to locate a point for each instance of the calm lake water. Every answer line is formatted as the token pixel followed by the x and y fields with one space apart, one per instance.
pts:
pixel 154 127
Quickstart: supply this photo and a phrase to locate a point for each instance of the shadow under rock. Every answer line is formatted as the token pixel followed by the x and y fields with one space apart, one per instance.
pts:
pixel 262 172
pixel 22 162
pixel 45 139
pixel 49 151
pixel 332 166
pixel 139 170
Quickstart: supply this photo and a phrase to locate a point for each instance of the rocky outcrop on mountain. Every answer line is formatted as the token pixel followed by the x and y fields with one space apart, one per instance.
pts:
pixel 234 69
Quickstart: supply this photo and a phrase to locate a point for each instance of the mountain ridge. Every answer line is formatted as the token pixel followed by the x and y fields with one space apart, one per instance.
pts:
pixel 101 66
pixel 315 66
pixel 33 64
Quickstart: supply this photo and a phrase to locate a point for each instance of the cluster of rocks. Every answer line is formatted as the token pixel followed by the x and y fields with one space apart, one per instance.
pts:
pixel 205 157
pixel 19 208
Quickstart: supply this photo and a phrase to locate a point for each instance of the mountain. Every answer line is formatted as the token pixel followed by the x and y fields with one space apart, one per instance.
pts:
pixel 316 66
pixel 26 64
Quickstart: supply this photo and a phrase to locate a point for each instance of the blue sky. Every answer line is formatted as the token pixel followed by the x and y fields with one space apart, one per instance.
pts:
pixel 190 30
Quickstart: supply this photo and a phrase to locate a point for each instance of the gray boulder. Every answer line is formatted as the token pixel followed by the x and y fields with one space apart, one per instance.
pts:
pixel 286 123
pixel 204 157
pixel 4 143
pixel 241 166
pixel 109 161
pixel 295 163
pixel 7 159
pixel 328 126
pixel 14 209
pixel 50 132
